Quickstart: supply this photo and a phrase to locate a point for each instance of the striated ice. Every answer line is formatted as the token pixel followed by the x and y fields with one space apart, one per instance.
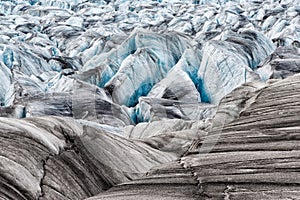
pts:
pixel 156 109
pixel 282 63
pixel 177 85
pixel 120 97
pixel 155 56
pixel 249 49
pixel 114 44
pixel 5 75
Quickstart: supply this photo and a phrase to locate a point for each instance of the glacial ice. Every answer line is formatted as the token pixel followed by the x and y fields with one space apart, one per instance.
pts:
pixel 150 57
pixel 283 62
pixel 155 55
pixel 5 75
pixel 155 109
pixel 249 49
pixel 128 92
pixel 177 85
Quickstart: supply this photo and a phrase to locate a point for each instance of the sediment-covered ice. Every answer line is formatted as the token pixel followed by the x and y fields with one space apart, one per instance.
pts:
pixel 119 97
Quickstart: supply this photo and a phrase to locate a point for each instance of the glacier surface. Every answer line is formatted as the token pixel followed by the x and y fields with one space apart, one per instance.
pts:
pixel 95 94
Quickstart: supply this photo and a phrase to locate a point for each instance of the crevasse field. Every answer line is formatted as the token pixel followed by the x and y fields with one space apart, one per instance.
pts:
pixel 149 99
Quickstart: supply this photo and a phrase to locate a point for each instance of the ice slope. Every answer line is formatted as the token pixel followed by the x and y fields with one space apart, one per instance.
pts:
pixel 119 96
pixel 153 57
pixel 230 63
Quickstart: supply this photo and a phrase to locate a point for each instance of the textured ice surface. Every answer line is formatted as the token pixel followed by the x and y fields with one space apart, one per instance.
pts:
pixel 152 57
pixel 171 51
pixel 121 94
pixel 229 63
pixel 284 62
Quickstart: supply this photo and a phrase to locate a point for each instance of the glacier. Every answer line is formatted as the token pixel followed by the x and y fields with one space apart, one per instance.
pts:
pixel 249 49
pixel 149 99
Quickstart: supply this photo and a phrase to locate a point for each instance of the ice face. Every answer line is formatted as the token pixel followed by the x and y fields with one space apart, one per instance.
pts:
pixel 5 75
pixel 230 63
pixel 154 57
pixel 137 75
pixel 177 85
